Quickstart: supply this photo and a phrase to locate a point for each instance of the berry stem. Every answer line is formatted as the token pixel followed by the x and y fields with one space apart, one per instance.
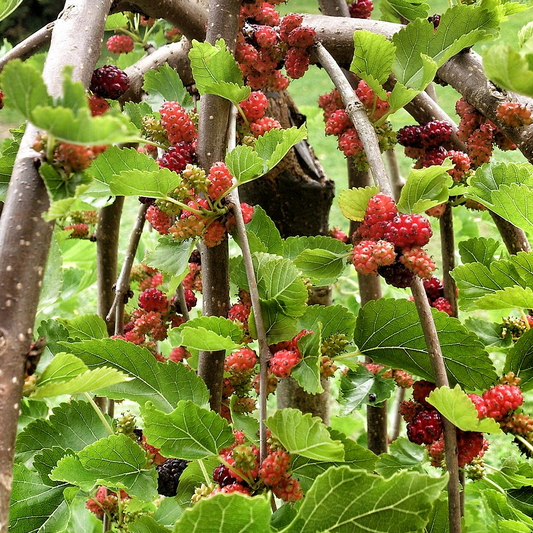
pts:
pixel 524 442
pixel 99 413
pixel 243 116
pixel 238 473
pixel 207 478
pixel 356 111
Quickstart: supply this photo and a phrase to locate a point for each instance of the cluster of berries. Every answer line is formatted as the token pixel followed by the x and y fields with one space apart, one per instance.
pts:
pixel 286 355
pixel 390 244
pixel 360 9
pixel 241 471
pixel 253 123
pixel 267 43
pixel 425 143
pixel 339 124
pixel 402 378
pixel 516 327
pixel 480 134
pixel 105 502
pixel 435 293
pixel 513 114
pixel 338 234
pixel 81 224
pixel 425 426
pixel 146 276
pixel 240 311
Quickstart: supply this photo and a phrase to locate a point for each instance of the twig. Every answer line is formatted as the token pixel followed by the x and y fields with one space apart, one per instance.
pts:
pixel 447 244
pixel 183 302
pixel 123 282
pixel 99 413
pixel 396 179
pixel 356 111
pixel 29 46
pixel 334 8
pixel 441 380
pixel 396 424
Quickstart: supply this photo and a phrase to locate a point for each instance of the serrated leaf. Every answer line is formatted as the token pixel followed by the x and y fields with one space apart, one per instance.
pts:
pixel 389 332
pixel 475 280
pixel 361 387
pixel 353 202
pixel 189 432
pixel 244 163
pixel 163 384
pixel 490 333
pixel 215 71
pixel 24 88
pixel 171 256
pixel 400 10
pixel 478 250
pixel 372 60
pixel 322 267
pixel 85 327
pixel 82 127
pixel 146 524
pixel 114 161
pixel 46 460
pixel 7 7
pixel 400 96
pixel 520 360
pixel 278 325
pixel 262 232
pixel 402 455
pixel 304 435
pixel 7 161
pixel 166 82
pixel 191 478
pixel 334 319
pixel 509 69
pixel 342 499
pixel 243 422
pixel 117 462
pixel 71 425
pixel 136 112
pixel 116 21
pixel 199 338
pixel 36 507
pixel 220 326
pixel 355 456
pixel 153 184
pixel 31 410
pixel 419 45
pixel 228 513
pixel 294 247
pixel 273 145
pixel 459 409
pixel 425 188
pixel 508 298
pixel 307 371
pixel 58 185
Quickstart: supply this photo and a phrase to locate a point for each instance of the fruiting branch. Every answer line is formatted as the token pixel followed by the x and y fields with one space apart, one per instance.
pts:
pixel 357 113
pixel 447 244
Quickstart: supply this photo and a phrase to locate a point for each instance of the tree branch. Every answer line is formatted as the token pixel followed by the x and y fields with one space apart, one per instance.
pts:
pixel 357 113
pixel 334 8
pixel 447 244
pixel 24 235
pixel 29 46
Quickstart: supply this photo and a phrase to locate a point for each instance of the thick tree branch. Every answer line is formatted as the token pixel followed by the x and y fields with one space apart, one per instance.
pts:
pixel 29 46
pixel 357 113
pixel 334 8
pixel 24 235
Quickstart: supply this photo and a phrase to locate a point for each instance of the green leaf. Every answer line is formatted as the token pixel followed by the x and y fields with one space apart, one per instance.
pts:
pixel 171 256
pixel 209 333
pixel 400 10
pixel 82 128
pixel 71 425
pixel 334 319
pixel 343 499
pixel 274 145
pixel 7 7
pixel 478 250
pixel 24 88
pixel 166 82
pixel 278 325
pixel 46 460
pixel 421 50
pixel 508 298
pixel 7 161
pixel 67 374
pixel 35 506
pixel 85 327
pixel 244 163
pixel 400 96
pixel 520 360
pixel 355 456
pixel 227 513
pixel 31 410
pixel 60 186
pixel 304 435
pixel 373 58
pixel 509 69
pixel 136 112
pixel 321 267
pixel 307 371
pixel 153 184
pixel 114 161
pixel 294 247
pixel 279 280
pixel 188 432
pixel 191 478
pixel 357 386
pixel 262 233
pixel 116 21
pixel 402 455
pixel 246 423
pixel 425 188
pixel 389 332
pixel 459 409
pixel 146 524
pixel 490 333
pixel 117 462
pixel 163 384
pixel 353 202
pixel 215 71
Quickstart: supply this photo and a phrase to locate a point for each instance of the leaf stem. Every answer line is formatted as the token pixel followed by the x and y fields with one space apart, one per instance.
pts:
pixel 207 477
pixel 98 411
